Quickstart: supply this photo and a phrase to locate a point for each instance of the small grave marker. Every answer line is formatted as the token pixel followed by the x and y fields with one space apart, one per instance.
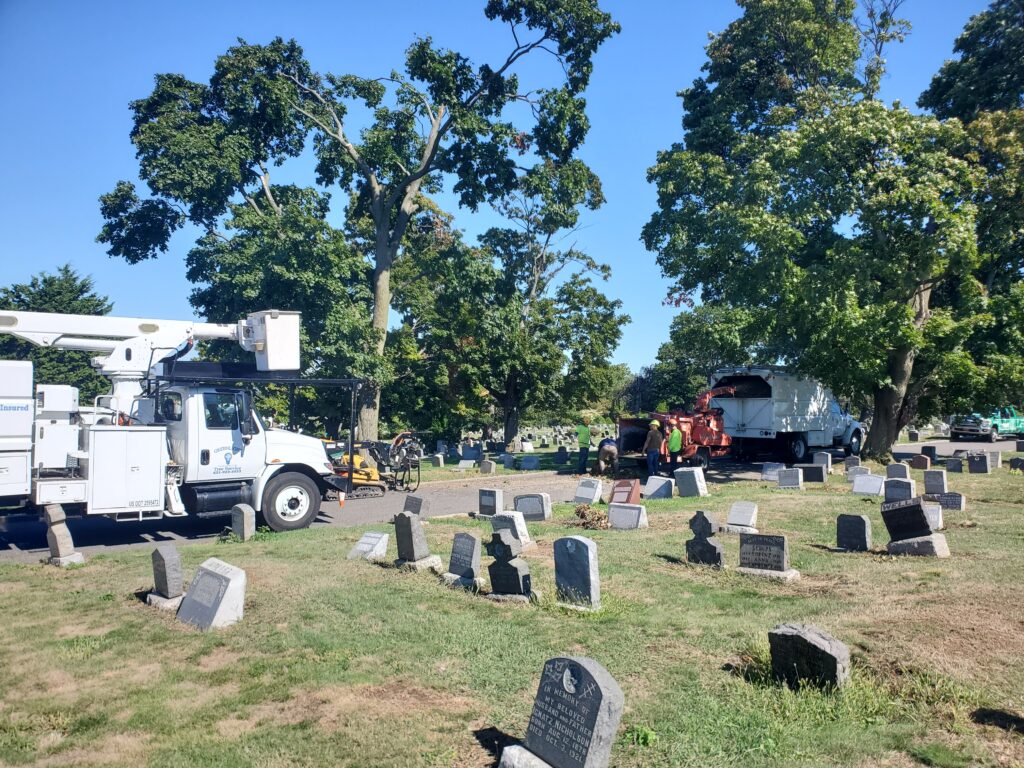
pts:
pixel 577 580
pixel 791 479
pixel 742 518
pixel 953 502
pixel 372 547
pixel 979 463
pixel 168 580
pixel 851 461
pixel 897 489
pixel 488 467
pixel 627 517
pixel 824 458
pixel 954 464
pixel 854 472
pixel 803 653
pixel 416 505
pixel 768 556
pixel 658 487
pixel 533 506
pixel 931 451
pixel 869 485
pixel 853 533
pixel 588 491
pixel 215 598
pixel 690 481
pixel 243 521
pixel 920 462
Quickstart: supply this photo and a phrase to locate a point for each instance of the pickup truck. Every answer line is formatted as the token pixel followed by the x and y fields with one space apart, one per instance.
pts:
pixel 1003 422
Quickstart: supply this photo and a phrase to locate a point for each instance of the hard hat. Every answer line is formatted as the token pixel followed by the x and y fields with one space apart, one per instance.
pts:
pixel 673 420
pixel 655 423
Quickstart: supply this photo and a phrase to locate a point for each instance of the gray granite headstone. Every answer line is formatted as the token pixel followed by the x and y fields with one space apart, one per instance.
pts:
pixel 411 540
pixel 995 459
pixel 851 461
pixel 954 502
pixel 770 471
pixel 704 548
pixel 465 464
pixel 954 464
pixel 898 471
pixel 853 472
pixel 931 451
pixel 690 481
pixel 508 461
pixel 764 553
pixel 905 519
pixel 803 653
pixel 658 488
pixel 216 597
pixel 490 501
pixel 373 546
pixel 510 574
pixel 465 559
pixel 824 458
pixel 575 715
pixel 488 467
pixel 813 473
pixel 627 517
pixel 935 481
pixel 529 462
pixel 416 505
pixel 792 479
pixel 742 518
pixel 562 455
pixel 853 533
pixel 897 489
pixel 243 521
pixel 869 485
pixel 168 580
pixel 533 506
pixel 577 579
pixel 437 460
pixel 513 521
pixel 588 491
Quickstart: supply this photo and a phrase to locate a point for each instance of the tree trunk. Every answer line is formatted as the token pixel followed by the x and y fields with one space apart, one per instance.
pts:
pixel 369 409
pixel 511 421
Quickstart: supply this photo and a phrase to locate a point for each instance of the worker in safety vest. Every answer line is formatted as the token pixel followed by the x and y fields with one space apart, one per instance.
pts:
pixel 583 436
pixel 675 444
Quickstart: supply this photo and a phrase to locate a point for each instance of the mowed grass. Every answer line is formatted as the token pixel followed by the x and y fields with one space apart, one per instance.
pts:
pixel 340 663
pixel 430 473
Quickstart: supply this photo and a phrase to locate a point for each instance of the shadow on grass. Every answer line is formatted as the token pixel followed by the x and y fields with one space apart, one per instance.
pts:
pixel 999 718
pixel 494 741
pixel 753 667
pixel 671 559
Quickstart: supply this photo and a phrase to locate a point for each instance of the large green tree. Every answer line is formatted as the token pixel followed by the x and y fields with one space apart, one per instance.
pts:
pixel 836 217
pixel 441 119
pixel 67 292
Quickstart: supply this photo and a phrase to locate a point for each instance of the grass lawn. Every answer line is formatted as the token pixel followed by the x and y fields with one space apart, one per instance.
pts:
pixel 545 455
pixel 340 663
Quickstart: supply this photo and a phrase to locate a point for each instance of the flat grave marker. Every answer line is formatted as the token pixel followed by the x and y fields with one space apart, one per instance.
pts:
pixel 627 517
pixel 658 488
pixel 373 547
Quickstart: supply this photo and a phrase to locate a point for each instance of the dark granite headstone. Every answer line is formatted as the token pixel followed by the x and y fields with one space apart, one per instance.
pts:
pixel 167 575
pixel 851 461
pixel 704 548
pixel 411 540
pixel 954 464
pixel 1017 464
pixel 491 501
pixel 416 505
pixel 764 553
pixel 577 579
pixel 510 574
pixel 897 471
pixel 955 502
pixel 897 489
pixel 853 533
pixel 920 462
pixel 979 463
pixel 905 519
pixel 575 715
pixel 931 451
pixel 935 481
pixel 465 560
pixel 813 473
pixel 802 653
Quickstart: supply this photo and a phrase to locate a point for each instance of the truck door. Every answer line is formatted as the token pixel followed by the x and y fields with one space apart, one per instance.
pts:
pixel 220 451
pixel 836 422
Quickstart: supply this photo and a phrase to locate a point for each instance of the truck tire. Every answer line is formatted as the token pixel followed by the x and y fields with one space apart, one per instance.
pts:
pixel 853 449
pixel 798 449
pixel 993 435
pixel 702 459
pixel 290 501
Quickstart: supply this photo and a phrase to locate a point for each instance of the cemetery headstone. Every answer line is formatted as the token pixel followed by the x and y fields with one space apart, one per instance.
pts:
pixel 931 451
pixel 562 455
pixel 416 505
pixel 533 506
pixel 953 502
pixel 803 653
pixel 995 459
pixel 490 501
pixel 979 463
pixel 954 464
pixel 898 471
pixel 513 521
pixel 920 462
pixel 824 458
pixel 510 574
pixel 168 579
pixel 471 453
pixel 742 518
pixel 704 548
pixel 770 471
pixel 1017 464
pixel 658 487
pixel 625 492
pixel 373 547
pixel 413 550
pixel 813 473
pixel 464 464
pixel 216 597
pixel 488 467
pixel 933 511
pixel 767 556
pixel 869 485
pixel 575 718
pixel 910 531
pixel 577 580
pixel 690 481
pixel 897 489
pixel 588 491
pixel 243 521
pixel 527 446
pixel 851 461
pixel 935 481
pixel 464 564
pixel 437 460
pixel 853 533
pixel 441 447
pixel 529 462
pixel 853 472
pixel 1019 446
pixel 58 538
pixel 627 517
pixel 791 479
pixel 508 461
pixel 913 435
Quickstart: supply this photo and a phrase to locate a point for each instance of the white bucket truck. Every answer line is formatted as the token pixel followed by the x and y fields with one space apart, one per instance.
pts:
pixel 779 412
pixel 170 439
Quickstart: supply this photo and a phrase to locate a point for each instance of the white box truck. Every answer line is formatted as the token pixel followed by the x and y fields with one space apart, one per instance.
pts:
pixel 779 412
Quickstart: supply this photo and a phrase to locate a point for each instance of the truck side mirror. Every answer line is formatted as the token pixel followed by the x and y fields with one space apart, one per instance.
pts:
pixel 243 404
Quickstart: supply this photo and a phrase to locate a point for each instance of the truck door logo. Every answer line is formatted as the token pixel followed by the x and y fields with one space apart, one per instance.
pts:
pixel 227 458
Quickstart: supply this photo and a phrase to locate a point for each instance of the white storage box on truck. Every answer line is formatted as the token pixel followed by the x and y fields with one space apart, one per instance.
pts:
pixel 776 411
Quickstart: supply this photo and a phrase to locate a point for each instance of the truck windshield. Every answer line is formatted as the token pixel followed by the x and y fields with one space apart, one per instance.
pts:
pixel 221 412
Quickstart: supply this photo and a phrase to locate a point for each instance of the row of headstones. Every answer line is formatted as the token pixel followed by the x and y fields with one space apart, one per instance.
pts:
pixel 578 706
pixel 490 466
pixel 577 579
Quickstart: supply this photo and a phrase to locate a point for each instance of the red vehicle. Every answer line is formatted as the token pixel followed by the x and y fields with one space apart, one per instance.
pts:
pixel 703 431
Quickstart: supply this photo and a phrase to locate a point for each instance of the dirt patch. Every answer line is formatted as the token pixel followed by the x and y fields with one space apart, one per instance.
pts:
pixel 116 749
pixel 69 631
pixel 218 658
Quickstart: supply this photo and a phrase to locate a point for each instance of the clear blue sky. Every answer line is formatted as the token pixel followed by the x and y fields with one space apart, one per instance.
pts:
pixel 71 68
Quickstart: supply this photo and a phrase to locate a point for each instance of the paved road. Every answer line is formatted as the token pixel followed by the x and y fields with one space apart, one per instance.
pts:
pixel 24 539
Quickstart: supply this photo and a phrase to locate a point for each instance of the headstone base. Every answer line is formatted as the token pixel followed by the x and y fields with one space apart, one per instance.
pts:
pixel 75 558
pixel 786 576
pixel 164 603
pixel 533 597
pixel 727 528
pixel 923 546
pixel 459 582
pixel 578 607
pixel 516 756
pixel 432 563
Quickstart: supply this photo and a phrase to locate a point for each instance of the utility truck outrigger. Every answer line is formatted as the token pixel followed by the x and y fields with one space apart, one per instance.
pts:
pixel 172 438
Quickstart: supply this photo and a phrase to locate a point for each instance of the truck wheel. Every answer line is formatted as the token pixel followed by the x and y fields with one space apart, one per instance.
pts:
pixel 703 459
pixel 853 449
pixel 993 435
pixel 291 501
pixel 798 448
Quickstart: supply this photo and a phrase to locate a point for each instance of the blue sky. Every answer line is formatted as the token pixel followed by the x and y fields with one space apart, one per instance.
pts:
pixel 71 68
